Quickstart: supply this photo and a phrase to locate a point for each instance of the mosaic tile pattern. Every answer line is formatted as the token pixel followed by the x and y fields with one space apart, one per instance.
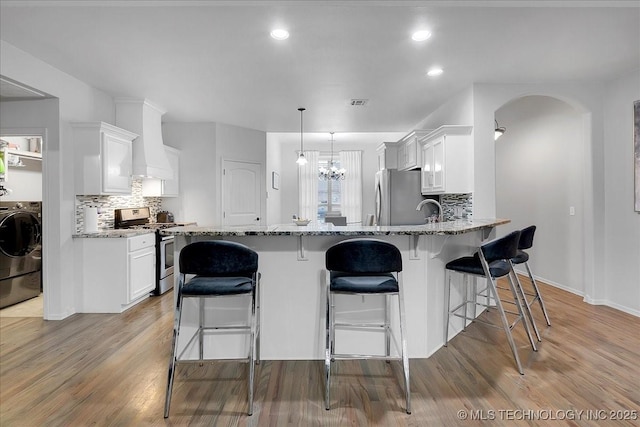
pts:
pixel 107 204
pixel 457 206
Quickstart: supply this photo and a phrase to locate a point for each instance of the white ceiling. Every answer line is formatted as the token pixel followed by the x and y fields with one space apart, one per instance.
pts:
pixel 214 60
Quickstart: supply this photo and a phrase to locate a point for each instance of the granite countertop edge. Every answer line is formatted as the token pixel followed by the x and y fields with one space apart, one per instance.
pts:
pixel 117 234
pixel 445 228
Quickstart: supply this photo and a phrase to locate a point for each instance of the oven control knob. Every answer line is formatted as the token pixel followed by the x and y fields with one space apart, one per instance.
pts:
pixel 19 205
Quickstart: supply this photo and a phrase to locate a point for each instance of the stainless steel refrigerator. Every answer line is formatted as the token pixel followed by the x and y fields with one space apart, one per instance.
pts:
pixel 397 195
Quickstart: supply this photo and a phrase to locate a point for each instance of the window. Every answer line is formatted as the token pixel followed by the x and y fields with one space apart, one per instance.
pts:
pixel 329 192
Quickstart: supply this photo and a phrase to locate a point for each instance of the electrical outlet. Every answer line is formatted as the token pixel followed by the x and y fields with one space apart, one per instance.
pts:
pixel 572 210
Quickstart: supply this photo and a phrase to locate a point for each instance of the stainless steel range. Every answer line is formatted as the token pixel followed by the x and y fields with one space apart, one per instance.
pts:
pixel 141 218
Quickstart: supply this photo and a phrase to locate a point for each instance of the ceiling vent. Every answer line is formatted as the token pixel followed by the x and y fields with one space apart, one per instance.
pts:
pixel 359 102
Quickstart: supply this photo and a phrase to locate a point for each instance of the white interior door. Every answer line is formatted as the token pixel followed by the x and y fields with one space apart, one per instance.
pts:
pixel 241 187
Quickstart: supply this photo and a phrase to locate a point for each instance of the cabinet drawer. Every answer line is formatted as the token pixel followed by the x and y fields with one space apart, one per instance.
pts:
pixel 141 242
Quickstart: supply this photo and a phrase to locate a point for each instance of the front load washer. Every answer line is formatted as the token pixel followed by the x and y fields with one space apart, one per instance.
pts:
pixel 20 251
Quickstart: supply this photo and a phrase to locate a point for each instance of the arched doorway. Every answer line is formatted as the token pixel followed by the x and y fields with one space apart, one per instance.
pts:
pixel 539 180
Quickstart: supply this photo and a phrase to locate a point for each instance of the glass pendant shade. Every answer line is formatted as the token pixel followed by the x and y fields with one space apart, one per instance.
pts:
pixel 302 160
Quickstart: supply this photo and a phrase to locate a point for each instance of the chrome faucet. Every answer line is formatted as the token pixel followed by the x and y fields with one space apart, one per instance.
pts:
pixel 425 201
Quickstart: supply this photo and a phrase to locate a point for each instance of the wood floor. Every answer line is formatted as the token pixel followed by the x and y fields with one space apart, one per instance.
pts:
pixel 110 370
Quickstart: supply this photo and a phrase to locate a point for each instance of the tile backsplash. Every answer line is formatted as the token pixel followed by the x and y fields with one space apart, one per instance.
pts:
pixel 457 204
pixel 107 204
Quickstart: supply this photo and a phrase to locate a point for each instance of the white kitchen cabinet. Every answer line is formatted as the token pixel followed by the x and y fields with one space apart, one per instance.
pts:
pixel 447 160
pixel 387 155
pixel 103 158
pixel 165 187
pixel 117 273
pixel 409 153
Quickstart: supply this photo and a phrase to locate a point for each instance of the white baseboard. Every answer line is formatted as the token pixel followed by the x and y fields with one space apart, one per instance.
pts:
pixel 586 298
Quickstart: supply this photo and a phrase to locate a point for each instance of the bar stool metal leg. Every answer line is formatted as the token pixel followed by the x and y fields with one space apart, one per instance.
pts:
pixel 251 351
pixel 257 323
pixel 201 329
pixel 521 310
pixel 387 327
pixel 174 354
pixel 525 305
pixel 538 296
pixel 328 354
pixel 465 299
pixel 505 323
pixel 447 303
pixel 405 358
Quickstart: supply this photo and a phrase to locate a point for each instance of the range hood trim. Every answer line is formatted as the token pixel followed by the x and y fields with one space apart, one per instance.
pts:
pixel 144 118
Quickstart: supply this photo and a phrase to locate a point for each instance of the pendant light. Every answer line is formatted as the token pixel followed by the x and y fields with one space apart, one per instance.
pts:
pixel 331 173
pixel 498 131
pixel 302 160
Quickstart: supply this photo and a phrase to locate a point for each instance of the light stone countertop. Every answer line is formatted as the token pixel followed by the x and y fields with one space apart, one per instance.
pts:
pixel 314 229
pixel 111 233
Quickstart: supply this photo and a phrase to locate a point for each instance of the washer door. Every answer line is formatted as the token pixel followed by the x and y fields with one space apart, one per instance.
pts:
pixel 20 234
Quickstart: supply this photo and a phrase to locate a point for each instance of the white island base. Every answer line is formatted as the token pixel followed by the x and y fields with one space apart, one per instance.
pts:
pixel 292 289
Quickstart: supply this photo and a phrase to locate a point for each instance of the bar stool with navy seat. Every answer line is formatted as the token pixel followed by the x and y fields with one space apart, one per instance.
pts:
pixel 221 269
pixel 364 267
pixel 522 257
pixel 492 261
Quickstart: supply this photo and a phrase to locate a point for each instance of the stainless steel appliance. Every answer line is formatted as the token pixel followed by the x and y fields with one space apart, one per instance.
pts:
pixel 140 218
pixel 397 195
pixel 20 251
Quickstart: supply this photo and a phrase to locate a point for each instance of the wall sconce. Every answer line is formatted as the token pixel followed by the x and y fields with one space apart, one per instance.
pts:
pixel 498 131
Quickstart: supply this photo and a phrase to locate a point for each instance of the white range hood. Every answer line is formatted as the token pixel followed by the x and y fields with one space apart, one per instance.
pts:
pixel 144 118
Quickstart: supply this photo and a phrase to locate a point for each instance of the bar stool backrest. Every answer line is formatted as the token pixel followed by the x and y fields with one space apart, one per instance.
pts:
pixel 526 237
pixel 501 249
pixel 218 258
pixel 363 256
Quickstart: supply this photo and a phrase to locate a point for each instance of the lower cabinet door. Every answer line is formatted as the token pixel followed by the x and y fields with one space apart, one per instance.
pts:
pixel 142 272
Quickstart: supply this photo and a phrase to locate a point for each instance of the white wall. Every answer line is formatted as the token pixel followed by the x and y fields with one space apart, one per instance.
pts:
pixel 274 196
pixel 609 264
pixel 198 174
pixel 622 225
pixel 76 101
pixel 24 182
pixel 538 177
pixel 457 111
pixel 290 144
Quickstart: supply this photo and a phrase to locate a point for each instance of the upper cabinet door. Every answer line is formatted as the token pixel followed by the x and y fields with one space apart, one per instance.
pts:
pixel 447 160
pixel 409 150
pixel 103 159
pixel 116 164
pixel 438 183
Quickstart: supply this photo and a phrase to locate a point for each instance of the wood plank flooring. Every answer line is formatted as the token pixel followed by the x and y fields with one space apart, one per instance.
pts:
pixel 110 370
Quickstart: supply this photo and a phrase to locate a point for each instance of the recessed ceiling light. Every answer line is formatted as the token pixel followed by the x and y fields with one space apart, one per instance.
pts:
pixel 280 34
pixel 421 35
pixel 435 71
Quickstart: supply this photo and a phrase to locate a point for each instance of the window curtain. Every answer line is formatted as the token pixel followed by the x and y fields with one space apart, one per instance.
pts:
pixel 351 161
pixel 308 187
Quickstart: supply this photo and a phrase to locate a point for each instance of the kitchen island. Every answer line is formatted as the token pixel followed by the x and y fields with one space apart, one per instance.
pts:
pixel 292 287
